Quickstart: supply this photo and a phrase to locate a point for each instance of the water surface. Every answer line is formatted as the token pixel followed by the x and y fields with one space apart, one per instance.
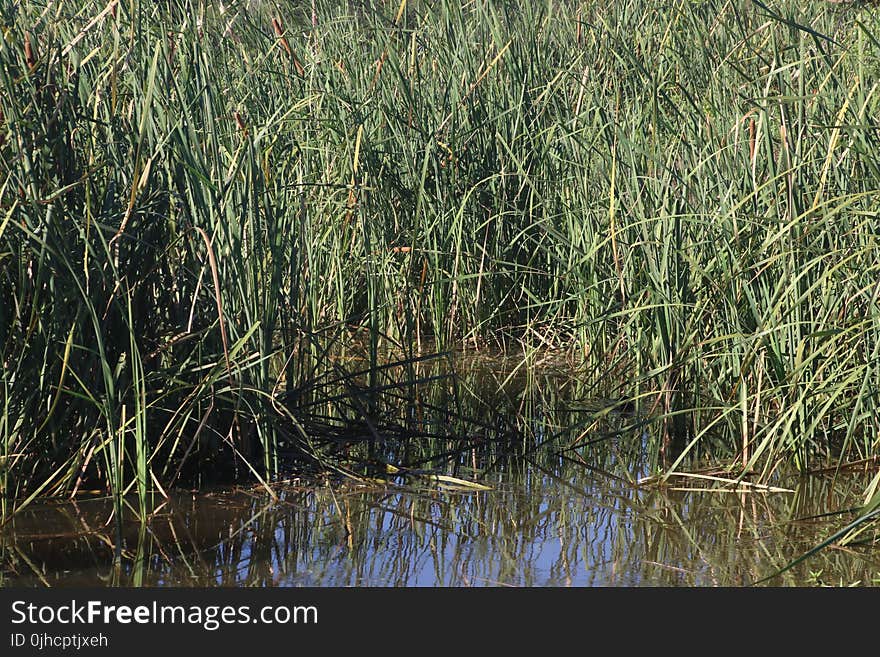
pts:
pixel 534 528
pixel 560 508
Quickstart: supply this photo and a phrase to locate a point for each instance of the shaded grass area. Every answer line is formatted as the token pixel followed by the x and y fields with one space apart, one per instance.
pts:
pixel 200 203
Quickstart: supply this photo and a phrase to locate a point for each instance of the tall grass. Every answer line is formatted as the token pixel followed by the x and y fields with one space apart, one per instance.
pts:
pixel 680 196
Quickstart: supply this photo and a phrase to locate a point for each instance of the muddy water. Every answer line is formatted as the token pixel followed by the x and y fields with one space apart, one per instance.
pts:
pixel 556 506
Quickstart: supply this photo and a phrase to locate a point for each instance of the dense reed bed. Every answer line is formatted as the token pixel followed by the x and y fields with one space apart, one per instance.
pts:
pixel 200 202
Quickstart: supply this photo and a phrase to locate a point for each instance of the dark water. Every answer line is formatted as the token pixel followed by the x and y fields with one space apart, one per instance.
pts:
pixel 560 510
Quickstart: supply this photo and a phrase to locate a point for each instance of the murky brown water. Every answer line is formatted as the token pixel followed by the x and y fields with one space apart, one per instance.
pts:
pixel 555 515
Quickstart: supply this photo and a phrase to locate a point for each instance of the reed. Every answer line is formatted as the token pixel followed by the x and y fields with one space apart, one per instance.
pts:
pixel 197 200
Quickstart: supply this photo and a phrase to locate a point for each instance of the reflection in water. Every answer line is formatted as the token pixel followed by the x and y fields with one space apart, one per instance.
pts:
pixel 561 512
pixel 563 528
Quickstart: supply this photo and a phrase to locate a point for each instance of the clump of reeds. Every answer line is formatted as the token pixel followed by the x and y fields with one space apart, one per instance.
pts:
pixel 680 195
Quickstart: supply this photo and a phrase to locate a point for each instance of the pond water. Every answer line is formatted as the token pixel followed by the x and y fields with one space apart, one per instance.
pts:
pixel 562 513
pixel 534 528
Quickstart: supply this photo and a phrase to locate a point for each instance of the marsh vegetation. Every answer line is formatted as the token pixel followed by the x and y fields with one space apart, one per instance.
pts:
pixel 240 240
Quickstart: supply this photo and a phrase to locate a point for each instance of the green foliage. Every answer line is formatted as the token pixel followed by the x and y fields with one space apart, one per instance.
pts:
pixel 681 196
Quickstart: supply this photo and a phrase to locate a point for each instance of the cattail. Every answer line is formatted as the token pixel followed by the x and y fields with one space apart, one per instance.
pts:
pixel 240 121
pixel 29 58
pixel 279 32
pixel 752 131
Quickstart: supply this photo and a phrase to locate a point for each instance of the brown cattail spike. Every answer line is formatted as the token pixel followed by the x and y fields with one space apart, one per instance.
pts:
pixel 29 58
pixel 752 139
pixel 279 32
pixel 240 121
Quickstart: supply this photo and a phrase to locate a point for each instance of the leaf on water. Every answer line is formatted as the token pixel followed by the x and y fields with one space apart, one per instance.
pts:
pixel 455 481
pixel 739 485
